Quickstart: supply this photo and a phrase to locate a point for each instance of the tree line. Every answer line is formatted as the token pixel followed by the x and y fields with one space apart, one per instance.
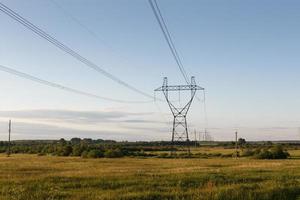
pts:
pixel 89 148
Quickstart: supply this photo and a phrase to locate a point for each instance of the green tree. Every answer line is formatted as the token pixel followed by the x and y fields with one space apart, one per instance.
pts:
pixel 75 140
pixel 66 150
pixel 241 142
pixel 113 153
pixel 62 141
pixel 77 150
pixel 87 141
pixel 95 153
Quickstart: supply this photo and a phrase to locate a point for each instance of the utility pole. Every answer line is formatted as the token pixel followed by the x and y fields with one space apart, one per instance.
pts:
pixel 205 136
pixel 9 131
pixel 200 137
pixel 195 137
pixel 236 144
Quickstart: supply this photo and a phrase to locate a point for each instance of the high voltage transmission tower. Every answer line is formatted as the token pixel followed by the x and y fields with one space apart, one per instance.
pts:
pixel 179 114
pixel 180 129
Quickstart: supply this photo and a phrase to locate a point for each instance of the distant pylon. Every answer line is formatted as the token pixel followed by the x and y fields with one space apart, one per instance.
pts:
pixel 180 130
pixel 206 136
pixel 9 131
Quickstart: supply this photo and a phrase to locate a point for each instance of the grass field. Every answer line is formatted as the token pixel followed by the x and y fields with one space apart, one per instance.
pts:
pixel 32 177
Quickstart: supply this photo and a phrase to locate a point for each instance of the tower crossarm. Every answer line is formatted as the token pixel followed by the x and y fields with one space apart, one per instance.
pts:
pixel 179 87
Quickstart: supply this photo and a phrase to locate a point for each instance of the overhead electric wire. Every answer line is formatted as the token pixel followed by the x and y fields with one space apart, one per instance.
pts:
pixel 74 19
pixel 164 28
pixel 66 49
pixel 205 111
pixel 172 43
pixel 168 38
pixel 161 113
pixel 62 87
pixel 89 30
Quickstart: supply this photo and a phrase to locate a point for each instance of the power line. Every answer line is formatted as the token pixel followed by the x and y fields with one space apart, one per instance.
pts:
pixel 205 111
pixel 161 113
pixel 62 87
pixel 74 19
pixel 90 31
pixel 82 25
pixel 167 35
pixel 67 49
pixel 172 43
pixel 168 38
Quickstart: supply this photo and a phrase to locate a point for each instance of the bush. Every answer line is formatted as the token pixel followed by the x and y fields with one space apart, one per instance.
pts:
pixel 247 153
pixel 84 154
pixel 113 153
pixel 214 154
pixel 77 150
pixel 183 155
pixel 140 153
pixel 66 150
pixel 264 154
pixel 228 155
pixel 276 152
pixel 279 153
pixel 95 153
pixel 201 155
pixel 165 155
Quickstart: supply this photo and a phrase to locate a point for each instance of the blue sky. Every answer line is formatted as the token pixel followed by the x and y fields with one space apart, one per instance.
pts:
pixel 243 52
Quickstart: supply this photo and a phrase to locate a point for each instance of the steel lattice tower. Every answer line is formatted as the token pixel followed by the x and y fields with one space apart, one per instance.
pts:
pixel 180 129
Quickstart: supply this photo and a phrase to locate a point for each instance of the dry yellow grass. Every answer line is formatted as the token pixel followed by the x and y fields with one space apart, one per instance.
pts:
pixel 48 177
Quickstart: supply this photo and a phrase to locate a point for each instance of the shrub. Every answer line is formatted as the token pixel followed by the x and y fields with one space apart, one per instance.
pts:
pixel 276 152
pixel 228 155
pixel 279 153
pixel 113 153
pixel 184 155
pixel 77 150
pixel 164 155
pixel 95 153
pixel 201 155
pixel 139 153
pixel 264 154
pixel 247 153
pixel 215 154
pixel 66 150
pixel 84 154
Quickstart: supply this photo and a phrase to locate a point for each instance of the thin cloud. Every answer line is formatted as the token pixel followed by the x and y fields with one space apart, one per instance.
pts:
pixel 72 116
pixel 22 130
